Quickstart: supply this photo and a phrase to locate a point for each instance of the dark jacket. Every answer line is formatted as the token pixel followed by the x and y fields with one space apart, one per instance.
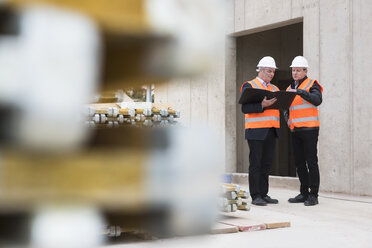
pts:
pixel 314 96
pixel 255 133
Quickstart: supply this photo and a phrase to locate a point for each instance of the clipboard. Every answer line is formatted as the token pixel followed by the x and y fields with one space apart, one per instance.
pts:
pixel 252 95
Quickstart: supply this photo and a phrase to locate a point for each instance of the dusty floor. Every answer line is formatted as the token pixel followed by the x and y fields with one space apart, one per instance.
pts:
pixel 338 221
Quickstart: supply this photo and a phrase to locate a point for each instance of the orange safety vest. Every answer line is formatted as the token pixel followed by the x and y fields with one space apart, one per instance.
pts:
pixel 301 112
pixel 267 119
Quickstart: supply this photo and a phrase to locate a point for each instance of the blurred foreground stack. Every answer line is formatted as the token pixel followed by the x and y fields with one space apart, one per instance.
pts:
pixel 62 182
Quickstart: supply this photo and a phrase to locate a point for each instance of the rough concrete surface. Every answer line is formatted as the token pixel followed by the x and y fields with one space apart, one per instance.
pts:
pixel 338 221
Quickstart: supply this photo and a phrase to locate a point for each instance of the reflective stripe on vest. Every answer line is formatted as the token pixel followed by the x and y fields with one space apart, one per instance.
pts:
pixel 255 85
pixel 303 106
pixel 301 112
pixel 308 85
pixel 267 119
pixel 305 119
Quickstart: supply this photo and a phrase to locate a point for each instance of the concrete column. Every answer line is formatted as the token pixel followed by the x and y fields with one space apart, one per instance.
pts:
pixel 230 107
pixel 335 141
pixel 361 89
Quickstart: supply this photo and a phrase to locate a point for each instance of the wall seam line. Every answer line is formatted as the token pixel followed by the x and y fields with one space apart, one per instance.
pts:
pixel 352 169
pixel 234 16
pixel 244 28
pixel 291 9
pixel 319 45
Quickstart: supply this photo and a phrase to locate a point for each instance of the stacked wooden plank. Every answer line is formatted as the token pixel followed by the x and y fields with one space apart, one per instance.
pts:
pixel 140 114
pixel 233 198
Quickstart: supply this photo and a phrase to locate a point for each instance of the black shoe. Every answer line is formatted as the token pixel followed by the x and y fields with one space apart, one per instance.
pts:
pixel 259 201
pixel 297 199
pixel 311 201
pixel 270 200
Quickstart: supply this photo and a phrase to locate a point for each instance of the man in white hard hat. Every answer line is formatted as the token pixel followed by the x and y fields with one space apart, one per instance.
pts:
pixel 261 130
pixel 303 121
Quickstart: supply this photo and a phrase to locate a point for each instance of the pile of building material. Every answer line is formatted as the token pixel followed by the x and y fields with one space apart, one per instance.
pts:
pixel 130 113
pixel 112 231
pixel 233 198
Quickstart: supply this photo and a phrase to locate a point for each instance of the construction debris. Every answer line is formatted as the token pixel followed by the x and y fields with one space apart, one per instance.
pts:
pixel 112 231
pixel 233 198
pixel 220 228
pixel 252 224
pixel 130 113
pixel 277 225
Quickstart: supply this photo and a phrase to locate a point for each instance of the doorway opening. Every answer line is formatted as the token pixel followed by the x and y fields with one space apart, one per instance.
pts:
pixel 283 44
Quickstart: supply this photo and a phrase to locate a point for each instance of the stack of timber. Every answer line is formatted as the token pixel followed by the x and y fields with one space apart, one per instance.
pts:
pixel 130 113
pixel 233 198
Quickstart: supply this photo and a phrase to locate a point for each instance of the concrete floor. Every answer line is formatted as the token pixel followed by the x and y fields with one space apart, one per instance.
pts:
pixel 338 221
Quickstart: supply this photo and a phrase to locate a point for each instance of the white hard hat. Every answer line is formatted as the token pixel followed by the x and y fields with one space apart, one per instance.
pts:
pixel 267 61
pixel 300 61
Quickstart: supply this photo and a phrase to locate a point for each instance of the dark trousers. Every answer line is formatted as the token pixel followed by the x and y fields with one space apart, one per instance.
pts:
pixel 261 155
pixel 306 160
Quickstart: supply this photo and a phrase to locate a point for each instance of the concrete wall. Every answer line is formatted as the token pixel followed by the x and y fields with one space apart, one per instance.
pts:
pixel 201 101
pixel 206 100
pixel 337 38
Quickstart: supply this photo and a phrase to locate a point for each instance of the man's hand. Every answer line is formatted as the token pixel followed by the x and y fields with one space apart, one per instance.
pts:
pixel 266 103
